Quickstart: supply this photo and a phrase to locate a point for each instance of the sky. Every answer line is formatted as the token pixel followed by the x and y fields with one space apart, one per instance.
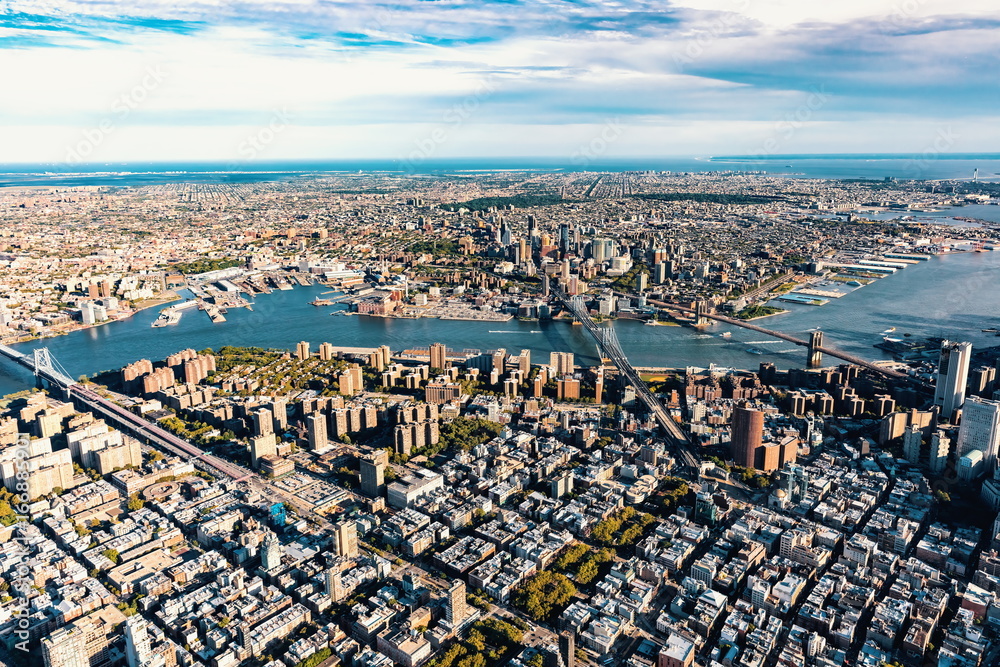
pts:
pixel 577 80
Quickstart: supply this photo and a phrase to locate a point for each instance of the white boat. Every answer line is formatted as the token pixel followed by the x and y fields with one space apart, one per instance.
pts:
pixel 888 331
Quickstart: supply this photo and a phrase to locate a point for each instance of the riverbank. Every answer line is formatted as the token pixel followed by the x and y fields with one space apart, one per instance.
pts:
pixel 949 296
pixel 167 296
pixel 73 327
pixel 781 311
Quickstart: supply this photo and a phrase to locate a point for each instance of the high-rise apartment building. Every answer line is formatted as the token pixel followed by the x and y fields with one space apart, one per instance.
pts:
pixel 562 363
pixel 439 356
pixel 138 650
pixel 316 431
pixel 913 439
pixel 65 647
pixel 345 537
pixel 980 430
pixel 373 473
pixel 940 447
pixel 456 609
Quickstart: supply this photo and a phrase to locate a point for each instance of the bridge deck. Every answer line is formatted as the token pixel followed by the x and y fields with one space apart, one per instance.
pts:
pixel 850 358
pixel 610 347
pixel 125 419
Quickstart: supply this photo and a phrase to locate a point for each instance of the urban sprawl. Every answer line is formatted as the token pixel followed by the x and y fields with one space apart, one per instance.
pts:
pixel 368 507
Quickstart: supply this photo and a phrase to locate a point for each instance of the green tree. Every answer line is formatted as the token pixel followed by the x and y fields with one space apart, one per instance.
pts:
pixel 545 594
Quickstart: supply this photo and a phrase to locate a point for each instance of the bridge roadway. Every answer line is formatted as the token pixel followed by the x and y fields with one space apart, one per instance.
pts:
pixel 126 420
pixel 152 433
pixel 676 436
pixel 850 358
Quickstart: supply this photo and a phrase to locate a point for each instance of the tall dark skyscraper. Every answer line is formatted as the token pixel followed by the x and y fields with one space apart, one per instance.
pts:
pixel 567 648
pixel 506 233
pixel 748 434
pixel 953 375
pixel 565 237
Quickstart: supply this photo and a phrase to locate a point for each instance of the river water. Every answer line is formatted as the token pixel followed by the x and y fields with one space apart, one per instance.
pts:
pixel 953 296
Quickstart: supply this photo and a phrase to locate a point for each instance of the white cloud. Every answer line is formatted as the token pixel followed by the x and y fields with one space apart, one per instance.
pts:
pixel 696 76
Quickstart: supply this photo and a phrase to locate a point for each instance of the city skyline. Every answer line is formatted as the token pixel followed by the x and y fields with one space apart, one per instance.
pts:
pixel 511 333
pixel 250 82
pixel 511 419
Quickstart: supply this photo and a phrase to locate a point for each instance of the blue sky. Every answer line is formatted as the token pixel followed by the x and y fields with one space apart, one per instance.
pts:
pixel 103 80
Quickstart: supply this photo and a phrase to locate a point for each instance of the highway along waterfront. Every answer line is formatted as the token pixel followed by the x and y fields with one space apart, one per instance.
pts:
pixel 953 296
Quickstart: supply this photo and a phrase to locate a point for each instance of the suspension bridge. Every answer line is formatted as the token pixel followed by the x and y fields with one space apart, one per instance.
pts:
pixel 814 345
pixel 49 372
pixel 607 341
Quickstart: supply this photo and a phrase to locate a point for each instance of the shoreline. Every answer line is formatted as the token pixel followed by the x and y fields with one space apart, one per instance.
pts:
pixel 461 337
pixel 761 317
pixel 152 303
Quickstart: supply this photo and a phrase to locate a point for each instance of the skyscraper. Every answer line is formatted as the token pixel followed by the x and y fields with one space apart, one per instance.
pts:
pixel 279 411
pixel 567 648
pixel 748 434
pixel 456 603
pixel 602 250
pixel 438 356
pixel 524 363
pixel 373 473
pixel 263 422
pixel 345 538
pixel 506 233
pixel 137 645
pixel 316 431
pixel 980 430
pixel 952 376
pixel 302 350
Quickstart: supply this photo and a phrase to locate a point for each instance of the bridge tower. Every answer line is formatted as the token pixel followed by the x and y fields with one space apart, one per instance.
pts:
pixel 42 360
pixel 815 357
pixel 577 307
pixel 700 314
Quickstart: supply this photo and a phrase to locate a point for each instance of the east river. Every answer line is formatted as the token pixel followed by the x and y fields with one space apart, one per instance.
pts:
pixel 952 296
